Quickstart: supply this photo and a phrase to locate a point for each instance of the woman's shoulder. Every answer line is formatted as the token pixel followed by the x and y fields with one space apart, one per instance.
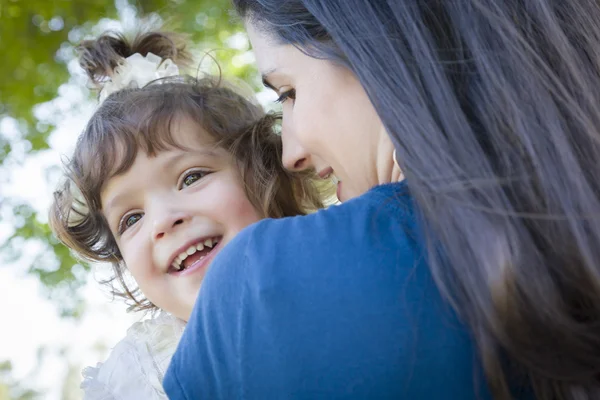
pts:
pixel 381 219
pixel 387 201
pixel 357 272
pixel 136 366
pixel 377 228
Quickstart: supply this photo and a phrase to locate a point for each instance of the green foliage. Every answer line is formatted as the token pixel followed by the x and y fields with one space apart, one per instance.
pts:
pixel 31 32
pixel 37 38
pixel 11 390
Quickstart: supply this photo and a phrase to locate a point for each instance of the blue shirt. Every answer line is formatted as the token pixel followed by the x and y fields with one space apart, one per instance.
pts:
pixel 337 304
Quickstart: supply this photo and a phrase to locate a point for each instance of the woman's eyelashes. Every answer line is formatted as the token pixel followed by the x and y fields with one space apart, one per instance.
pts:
pixel 288 94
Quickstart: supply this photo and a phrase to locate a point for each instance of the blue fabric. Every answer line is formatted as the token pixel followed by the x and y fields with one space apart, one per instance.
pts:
pixel 338 304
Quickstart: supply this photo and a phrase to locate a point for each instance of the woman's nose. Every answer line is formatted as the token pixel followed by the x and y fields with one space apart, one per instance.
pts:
pixel 294 156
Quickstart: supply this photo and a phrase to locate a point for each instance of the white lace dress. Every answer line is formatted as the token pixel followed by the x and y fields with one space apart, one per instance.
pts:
pixel 136 366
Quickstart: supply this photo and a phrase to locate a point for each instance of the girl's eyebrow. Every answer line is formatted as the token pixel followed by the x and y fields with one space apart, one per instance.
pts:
pixel 178 156
pixel 170 161
pixel 114 202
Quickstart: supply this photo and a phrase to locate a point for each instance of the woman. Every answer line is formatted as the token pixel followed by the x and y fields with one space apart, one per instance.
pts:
pixel 493 108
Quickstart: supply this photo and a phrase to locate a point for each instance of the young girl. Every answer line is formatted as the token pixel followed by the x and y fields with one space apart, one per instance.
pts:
pixel 168 170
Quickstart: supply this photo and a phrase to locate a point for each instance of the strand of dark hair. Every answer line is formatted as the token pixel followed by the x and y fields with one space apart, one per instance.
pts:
pixel 494 109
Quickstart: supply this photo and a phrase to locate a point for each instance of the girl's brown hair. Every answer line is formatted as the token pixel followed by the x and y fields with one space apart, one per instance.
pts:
pixel 135 119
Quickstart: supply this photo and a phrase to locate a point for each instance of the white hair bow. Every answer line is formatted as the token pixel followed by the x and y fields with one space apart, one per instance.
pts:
pixel 136 72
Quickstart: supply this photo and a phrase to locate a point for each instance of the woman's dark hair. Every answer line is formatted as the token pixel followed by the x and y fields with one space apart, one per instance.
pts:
pixel 141 119
pixel 494 109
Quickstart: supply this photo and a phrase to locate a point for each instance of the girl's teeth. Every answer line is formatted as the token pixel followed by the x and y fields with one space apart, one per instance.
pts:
pixel 178 262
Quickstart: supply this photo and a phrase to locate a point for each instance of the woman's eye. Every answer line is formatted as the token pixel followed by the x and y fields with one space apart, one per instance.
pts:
pixel 128 221
pixel 192 177
pixel 290 94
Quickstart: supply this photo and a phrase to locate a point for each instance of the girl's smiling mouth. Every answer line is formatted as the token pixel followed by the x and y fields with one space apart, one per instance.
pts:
pixel 193 254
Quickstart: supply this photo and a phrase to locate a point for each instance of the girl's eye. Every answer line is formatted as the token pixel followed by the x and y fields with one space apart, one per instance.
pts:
pixel 192 177
pixel 290 94
pixel 128 221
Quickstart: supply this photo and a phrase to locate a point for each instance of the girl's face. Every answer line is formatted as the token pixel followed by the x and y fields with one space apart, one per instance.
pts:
pixel 329 123
pixel 172 213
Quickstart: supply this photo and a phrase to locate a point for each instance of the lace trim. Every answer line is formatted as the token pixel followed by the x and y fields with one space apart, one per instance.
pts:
pixel 149 346
pixel 93 387
pixel 157 339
